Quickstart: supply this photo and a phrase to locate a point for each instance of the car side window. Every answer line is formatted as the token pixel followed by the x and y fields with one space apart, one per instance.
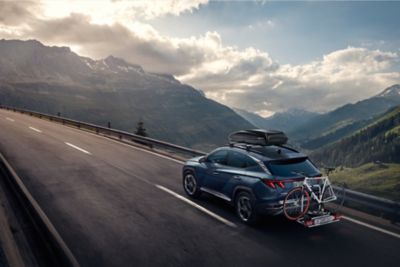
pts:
pixel 219 157
pixel 239 160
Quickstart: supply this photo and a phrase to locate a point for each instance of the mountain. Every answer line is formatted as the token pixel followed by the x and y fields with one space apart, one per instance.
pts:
pixel 332 126
pixel 290 119
pixel 251 117
pixel 285 121
pixel 391 92
pixel 377 141
pixel 55 79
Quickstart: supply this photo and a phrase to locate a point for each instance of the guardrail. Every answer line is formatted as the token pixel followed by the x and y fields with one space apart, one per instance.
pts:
pixel 121 135
pixel 378 206
pixel 50 249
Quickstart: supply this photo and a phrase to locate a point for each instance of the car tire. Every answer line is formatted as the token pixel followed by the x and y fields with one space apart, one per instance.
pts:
pixel 245 208
pixel 190 185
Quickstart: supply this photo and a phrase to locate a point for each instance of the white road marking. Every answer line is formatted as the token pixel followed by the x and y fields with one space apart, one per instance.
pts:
pixel 206 211
pixel 128 145
pixel 78 148
pixel 371 226
pixel 196 205
pixel 34 129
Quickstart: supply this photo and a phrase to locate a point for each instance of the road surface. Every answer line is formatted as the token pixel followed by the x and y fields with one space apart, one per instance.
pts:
pixel 117 205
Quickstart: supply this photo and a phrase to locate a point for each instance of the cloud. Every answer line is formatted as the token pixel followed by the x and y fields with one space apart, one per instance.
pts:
pixel 340 77
pixel 261 24
pixel 345 75
pixel 108 11
pixel 139 43
pixel 17 12
pixel 246 78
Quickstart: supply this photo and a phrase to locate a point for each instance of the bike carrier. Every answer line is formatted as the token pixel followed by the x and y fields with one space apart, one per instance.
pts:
pixel 318 192
pixel 324 217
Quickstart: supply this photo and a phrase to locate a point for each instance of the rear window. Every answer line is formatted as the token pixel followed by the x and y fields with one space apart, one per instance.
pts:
pixel 292 168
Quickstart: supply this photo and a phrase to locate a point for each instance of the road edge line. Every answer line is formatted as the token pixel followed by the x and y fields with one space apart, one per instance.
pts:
pixel 41 217
pixel 370 226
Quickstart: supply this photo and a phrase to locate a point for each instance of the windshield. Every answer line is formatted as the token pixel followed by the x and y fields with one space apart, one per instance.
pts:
pixel 292 168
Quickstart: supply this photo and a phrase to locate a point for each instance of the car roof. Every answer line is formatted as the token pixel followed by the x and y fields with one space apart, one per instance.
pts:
pixel 268 153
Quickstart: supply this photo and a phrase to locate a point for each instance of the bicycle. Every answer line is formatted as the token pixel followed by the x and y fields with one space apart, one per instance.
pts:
pixel 314 192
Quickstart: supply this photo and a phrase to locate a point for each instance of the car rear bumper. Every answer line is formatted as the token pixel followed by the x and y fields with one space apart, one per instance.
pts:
pixel 273 208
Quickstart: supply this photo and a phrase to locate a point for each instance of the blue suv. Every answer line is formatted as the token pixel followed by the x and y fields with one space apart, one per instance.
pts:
pixel 254 173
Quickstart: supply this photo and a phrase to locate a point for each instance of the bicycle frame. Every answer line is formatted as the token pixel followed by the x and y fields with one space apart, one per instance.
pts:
pixel 326 185
pixel 300 204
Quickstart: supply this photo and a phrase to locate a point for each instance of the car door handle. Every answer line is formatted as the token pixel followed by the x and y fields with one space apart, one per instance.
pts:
pixel 237 177
pixel 215 172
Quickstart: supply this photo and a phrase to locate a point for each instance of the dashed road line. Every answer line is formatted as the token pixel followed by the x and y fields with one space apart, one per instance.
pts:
pixel 206 211
pixel 34 129
pixel 219 218
pixel 138 148
pixel 78 148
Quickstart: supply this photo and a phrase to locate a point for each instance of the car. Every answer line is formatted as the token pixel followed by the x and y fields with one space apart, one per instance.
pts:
pixel 254 173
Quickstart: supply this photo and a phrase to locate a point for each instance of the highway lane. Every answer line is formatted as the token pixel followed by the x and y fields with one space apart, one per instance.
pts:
pixel 106 206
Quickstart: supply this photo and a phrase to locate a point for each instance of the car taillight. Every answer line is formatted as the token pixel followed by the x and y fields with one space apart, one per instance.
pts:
pixel 280 184
pixel 269 183
pixel 273 183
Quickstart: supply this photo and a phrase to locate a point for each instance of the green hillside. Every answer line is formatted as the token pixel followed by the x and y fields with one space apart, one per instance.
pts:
pixel 332 126
pixel 378 141
pixel 377 179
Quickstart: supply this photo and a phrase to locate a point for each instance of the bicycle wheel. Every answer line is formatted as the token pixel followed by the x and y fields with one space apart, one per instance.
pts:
pixel 296 203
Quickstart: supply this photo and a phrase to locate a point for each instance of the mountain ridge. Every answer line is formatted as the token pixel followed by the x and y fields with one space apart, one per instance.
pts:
pixel 284 121
pixel 54 79
pixel 379 140
pixel 338 123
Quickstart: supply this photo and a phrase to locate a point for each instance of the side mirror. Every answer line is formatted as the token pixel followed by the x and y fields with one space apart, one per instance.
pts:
pixel 203 159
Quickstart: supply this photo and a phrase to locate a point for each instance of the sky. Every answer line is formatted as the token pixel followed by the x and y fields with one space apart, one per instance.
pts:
pixel 262 56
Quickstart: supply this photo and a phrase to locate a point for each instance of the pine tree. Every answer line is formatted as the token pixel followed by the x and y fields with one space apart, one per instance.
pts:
pixel 140 130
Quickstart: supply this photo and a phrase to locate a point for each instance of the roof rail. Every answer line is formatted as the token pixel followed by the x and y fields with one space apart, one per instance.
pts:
pixel 246 147
pixel 289 148
pixel 249 147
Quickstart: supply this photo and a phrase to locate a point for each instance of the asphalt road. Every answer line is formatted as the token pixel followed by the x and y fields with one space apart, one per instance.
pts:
pixel 116 205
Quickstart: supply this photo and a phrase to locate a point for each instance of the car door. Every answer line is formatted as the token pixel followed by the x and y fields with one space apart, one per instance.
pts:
pixel 238 173
pixel 221 174
pixel 216 170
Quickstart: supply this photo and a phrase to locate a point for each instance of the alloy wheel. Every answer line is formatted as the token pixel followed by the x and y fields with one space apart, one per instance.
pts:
pixel 190 184
pixel 244 208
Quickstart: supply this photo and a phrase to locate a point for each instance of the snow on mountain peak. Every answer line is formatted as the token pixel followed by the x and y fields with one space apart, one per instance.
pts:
pixel 391 91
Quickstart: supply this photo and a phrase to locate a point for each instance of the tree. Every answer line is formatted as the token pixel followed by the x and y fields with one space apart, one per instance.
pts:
pixel 140 130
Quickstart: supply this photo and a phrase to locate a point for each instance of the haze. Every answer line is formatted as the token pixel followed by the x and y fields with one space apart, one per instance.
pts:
pixel 264 56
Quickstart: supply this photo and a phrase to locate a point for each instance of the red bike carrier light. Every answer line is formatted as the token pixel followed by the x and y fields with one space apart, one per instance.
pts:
pixel 338 216
pixel 308 223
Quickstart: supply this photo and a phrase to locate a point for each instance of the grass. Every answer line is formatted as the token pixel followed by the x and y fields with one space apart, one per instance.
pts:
pixel 337 126
pixel 381 180
pixel 395 130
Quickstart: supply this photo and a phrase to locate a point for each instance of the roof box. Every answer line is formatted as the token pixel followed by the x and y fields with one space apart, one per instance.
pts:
pixel 259 137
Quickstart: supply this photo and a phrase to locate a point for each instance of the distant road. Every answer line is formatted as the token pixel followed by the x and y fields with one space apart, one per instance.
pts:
pixel 116 205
